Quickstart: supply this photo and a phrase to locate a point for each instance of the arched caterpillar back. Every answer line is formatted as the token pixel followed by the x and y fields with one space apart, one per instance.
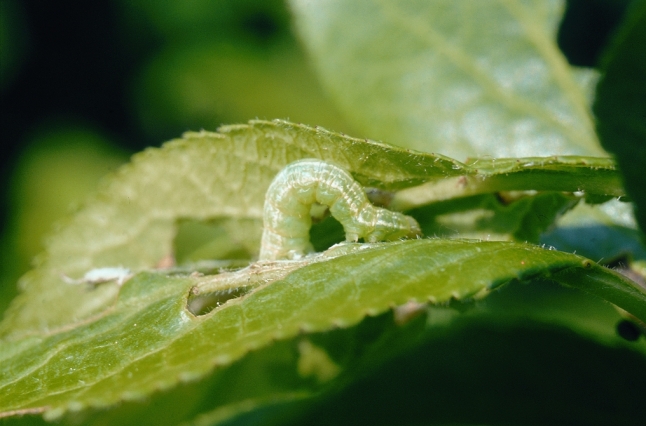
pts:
pixel 298 186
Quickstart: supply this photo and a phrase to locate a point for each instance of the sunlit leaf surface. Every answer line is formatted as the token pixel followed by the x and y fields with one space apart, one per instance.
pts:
pixel 148 340
pixel 460 78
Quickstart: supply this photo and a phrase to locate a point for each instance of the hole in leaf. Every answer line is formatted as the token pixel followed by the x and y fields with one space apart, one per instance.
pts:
pixel 380 197
pixel 628 330
pixel 326 233
pixel 619 262
pixel 202 304
pixel 220 239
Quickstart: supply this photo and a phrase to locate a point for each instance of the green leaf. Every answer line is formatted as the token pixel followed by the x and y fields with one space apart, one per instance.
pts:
pixel 189 23
pixel 68 345
pixel 461 78
pixel 213 83
pixel 594 177
pixel 221 62
pixel 489 217
pixel 62 165
pixel 620 104
pixel 603 232
pixel 148 340
pixel 131 222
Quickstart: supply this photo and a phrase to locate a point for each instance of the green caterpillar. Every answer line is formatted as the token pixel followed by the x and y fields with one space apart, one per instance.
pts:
pixel 301 184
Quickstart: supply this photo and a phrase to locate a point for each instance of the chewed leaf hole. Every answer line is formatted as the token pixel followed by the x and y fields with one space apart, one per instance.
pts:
pixel 202 304
pixel 220 239
pixel 326 233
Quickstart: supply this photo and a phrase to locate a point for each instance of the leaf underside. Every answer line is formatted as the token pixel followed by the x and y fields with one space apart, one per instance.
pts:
pixel 462 78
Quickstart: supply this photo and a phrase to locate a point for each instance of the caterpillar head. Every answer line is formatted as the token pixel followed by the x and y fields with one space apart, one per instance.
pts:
pixel 388 225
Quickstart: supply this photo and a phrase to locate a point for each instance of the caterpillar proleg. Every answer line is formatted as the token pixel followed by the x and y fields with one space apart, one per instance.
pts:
pixel 289 199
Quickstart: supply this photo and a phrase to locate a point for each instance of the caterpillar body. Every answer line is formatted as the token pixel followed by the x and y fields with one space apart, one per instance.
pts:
pixel 289 199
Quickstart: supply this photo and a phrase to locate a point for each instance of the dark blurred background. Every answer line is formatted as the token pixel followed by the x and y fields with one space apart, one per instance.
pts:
pixel 85 84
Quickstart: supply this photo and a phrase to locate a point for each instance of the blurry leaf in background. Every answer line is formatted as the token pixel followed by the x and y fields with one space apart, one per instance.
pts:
pixel 193 21
pixel 586 27
pixel 488 217
pixel 621 104
pixel 599 232
pixel 61 165
pixel 204 86
pixel 223 62
pixel 459 78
